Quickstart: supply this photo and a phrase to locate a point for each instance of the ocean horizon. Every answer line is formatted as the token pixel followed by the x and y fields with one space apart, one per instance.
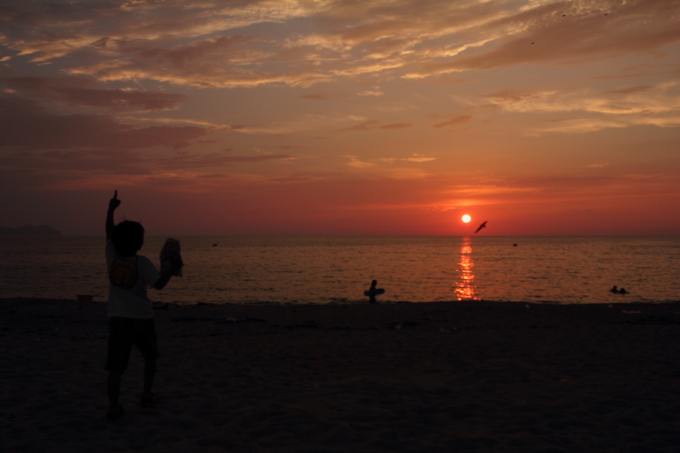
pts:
pixel 338 269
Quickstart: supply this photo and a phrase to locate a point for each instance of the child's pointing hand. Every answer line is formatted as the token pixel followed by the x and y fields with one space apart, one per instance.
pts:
pixel 115 202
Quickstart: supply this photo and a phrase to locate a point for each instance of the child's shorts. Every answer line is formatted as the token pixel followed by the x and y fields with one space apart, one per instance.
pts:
pixel 123 333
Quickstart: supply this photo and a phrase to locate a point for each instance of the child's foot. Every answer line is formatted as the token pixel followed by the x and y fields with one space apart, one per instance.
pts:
pixel 148 400
pixel 114 414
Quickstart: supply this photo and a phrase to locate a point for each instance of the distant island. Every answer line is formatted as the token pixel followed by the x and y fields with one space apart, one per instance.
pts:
pixel 29 230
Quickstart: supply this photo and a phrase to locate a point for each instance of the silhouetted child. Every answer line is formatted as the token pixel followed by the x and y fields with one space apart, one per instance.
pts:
pixel 130 311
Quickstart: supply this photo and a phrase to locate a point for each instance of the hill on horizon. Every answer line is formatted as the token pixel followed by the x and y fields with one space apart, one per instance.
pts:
pixel 29 230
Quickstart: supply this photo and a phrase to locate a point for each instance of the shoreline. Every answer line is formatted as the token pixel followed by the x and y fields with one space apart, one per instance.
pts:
pixel 404 377
pixel 158 304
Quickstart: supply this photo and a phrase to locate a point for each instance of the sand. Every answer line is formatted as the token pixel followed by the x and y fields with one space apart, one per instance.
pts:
pixel 427 377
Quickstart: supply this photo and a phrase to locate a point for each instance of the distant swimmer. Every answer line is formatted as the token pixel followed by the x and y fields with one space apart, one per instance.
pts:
pixel 615 290
pixel 483 225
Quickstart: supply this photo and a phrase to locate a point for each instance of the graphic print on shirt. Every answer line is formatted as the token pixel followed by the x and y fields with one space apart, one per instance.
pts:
pixel 123 273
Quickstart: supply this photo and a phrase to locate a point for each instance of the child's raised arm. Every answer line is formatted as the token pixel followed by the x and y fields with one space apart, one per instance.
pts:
pixel 113 204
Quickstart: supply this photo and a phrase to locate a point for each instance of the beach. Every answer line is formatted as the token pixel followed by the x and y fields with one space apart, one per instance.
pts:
pixel 390 377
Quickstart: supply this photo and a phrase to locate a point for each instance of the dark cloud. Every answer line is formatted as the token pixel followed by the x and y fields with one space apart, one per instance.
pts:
pixel 323 96
pixel 217 159
pixel 454 122
pixel 37 12
pixel 637 89
pixel 125 162
pixel 78 146
pixel 213 176
pixel 368 125
pixel 25 124
pixel 306 177
pixel 559 120
pixel 510 95
pixel 180 56
pixel 396 126
pixel 222 61
pixel 316 96
pixel 185 160
pixel 617 77
pixel 45 168
pixel 75 164
pixel 80 92
pixel 299 177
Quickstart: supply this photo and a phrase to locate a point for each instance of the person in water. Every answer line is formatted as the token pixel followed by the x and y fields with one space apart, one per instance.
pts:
pixel 615 290
pixel 373 291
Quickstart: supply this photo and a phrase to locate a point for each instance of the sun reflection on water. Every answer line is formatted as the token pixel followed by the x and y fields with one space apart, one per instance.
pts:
pixel 465 288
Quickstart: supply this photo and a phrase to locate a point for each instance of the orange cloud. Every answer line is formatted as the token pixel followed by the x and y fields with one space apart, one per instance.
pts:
pixel 590 110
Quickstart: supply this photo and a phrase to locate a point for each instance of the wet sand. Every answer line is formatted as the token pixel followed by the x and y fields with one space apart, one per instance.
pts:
pixel 427 377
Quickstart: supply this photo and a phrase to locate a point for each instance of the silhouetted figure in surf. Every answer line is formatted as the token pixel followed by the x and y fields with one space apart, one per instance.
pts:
pixel 615 290
pixel 129 309
pixel 373 291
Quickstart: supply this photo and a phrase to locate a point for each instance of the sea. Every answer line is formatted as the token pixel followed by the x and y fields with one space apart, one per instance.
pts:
pixel 326 270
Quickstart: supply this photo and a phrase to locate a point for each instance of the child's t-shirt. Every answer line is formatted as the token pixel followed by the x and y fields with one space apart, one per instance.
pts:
pixel 129 279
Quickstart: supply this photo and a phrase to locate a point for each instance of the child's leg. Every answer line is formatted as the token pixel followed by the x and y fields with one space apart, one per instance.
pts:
pixel 120 344
pixel 148 398
pixel 149 375
pixel 146 342
pixel 116 410
pixel 114 388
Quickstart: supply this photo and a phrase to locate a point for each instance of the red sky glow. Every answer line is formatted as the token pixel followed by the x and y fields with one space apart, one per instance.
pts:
pixel 382 117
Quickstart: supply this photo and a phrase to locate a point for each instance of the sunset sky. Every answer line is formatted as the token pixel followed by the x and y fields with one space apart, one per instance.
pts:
pixel 331 117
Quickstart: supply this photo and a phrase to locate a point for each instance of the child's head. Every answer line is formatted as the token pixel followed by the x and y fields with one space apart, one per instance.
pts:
pixel 127 237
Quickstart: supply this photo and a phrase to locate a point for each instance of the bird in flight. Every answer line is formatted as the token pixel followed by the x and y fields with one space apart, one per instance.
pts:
pixel 483 225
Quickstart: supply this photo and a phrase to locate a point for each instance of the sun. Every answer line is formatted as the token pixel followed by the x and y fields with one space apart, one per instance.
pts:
pixel 466 218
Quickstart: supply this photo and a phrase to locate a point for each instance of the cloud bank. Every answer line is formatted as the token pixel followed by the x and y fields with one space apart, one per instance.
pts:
pixel 210 44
